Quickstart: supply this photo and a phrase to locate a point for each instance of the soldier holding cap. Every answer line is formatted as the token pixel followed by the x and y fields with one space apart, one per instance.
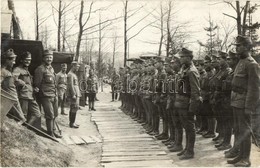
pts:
pixel 25 89
pixel 187 100
pixel 244 97
pixel 73 93
pixel 7 80
pixel 44 81
pixel 61 79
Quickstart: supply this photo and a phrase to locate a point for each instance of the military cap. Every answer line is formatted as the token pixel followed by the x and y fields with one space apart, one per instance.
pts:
pixel 243 40
pixel 215 54
pixel 222 54
pixel 26 55
pixel 74 63
pixel 186 53
pixel 9 54
pixel 47 52
pixel 64 65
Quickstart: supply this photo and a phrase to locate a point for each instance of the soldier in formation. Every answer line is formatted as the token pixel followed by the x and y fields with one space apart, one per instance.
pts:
pixel 221 93
pixel 62 87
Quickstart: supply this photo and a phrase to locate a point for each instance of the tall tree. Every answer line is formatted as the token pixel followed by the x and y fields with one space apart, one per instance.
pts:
pixel 241 21
pixel 17 32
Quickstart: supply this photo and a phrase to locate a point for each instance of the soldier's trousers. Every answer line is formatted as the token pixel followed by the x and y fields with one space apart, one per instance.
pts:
pixel 256 124
pixel 178 127
pixel 114 92
pixel 244 137
pixel 74 106
pixel 61 98
pixel 30 108
pixel 188 123
pixel 50 107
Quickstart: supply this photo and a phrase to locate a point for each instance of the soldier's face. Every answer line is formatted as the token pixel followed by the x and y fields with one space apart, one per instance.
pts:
pixel 241 49
pixel 26 62
pixel 10 62
pixel 64 69
pixel 48 59
pixel 185 59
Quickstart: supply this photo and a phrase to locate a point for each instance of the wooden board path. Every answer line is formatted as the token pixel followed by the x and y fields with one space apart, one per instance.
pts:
pixel 125 143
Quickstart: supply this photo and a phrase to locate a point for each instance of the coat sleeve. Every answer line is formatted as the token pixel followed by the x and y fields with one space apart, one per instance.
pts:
pixel 195 90
pixel 38 76
pixel 18 82
pixel 71 90
pixel 252 86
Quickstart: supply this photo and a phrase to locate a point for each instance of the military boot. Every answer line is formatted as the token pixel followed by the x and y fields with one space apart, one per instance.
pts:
pixel 49 126
pixel 243 163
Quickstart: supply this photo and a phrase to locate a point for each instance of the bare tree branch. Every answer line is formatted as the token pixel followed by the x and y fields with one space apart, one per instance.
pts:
pixel 229 3
pixel 139 21
pixel 90 8
pixel 140 30
pixel 230 16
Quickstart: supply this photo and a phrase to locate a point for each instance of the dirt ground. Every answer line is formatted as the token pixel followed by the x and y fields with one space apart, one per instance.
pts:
pixel 84 155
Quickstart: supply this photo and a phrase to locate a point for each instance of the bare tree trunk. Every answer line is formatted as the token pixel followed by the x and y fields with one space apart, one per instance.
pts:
pixel 37 21
pixel 238 18
pixel 168 30
pixel 125 33
pixel 80 29
pixel 161 39
pixel 64 34
pixel 16 27
pixel 59 26
pixel 114 50
pixel 244 19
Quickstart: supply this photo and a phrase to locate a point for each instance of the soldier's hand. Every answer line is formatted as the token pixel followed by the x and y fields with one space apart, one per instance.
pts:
pixel 36 89
pixel 201 99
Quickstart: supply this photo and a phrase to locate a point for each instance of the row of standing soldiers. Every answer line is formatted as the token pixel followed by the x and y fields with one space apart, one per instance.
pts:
pixel 44 92
pixel 218 95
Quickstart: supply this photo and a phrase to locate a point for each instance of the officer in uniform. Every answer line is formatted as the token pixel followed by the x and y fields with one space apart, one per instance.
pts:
pixel 73 93
pixel 23 81
pixel 220 111
pixel 8 81
pixel 232 60
pixel 45 84
pixel 187 100
pixel 92 87
pixel 62 87
pixel 115 78
pixel 244 97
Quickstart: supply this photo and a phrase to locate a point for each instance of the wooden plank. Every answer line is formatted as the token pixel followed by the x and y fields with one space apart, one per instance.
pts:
pixel 77 140
pixel 133 153
pixel 133 158
pixel 128 136
pixel 96 138
pixel 67 140
pixel 150 163
pixel 88 140
pixel 129 140
pixel 131 143
pixel 132 150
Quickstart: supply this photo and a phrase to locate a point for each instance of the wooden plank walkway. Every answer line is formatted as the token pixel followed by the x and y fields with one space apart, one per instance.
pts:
pixel 125 143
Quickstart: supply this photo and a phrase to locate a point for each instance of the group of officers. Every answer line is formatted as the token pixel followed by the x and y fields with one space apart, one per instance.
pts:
pixel 44 92
pixel 216 95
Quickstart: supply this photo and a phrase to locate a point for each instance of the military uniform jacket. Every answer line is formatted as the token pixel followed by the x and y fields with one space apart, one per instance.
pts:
pixel 7 82
pixel 73 85
pixel 188 88
pixel 245 84
pixel 61 79
pixel 204 83
pixel 45 80
pixel 23 81
pixel 92 85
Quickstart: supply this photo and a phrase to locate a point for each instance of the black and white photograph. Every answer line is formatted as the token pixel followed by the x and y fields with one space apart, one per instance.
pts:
pixel 130 83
